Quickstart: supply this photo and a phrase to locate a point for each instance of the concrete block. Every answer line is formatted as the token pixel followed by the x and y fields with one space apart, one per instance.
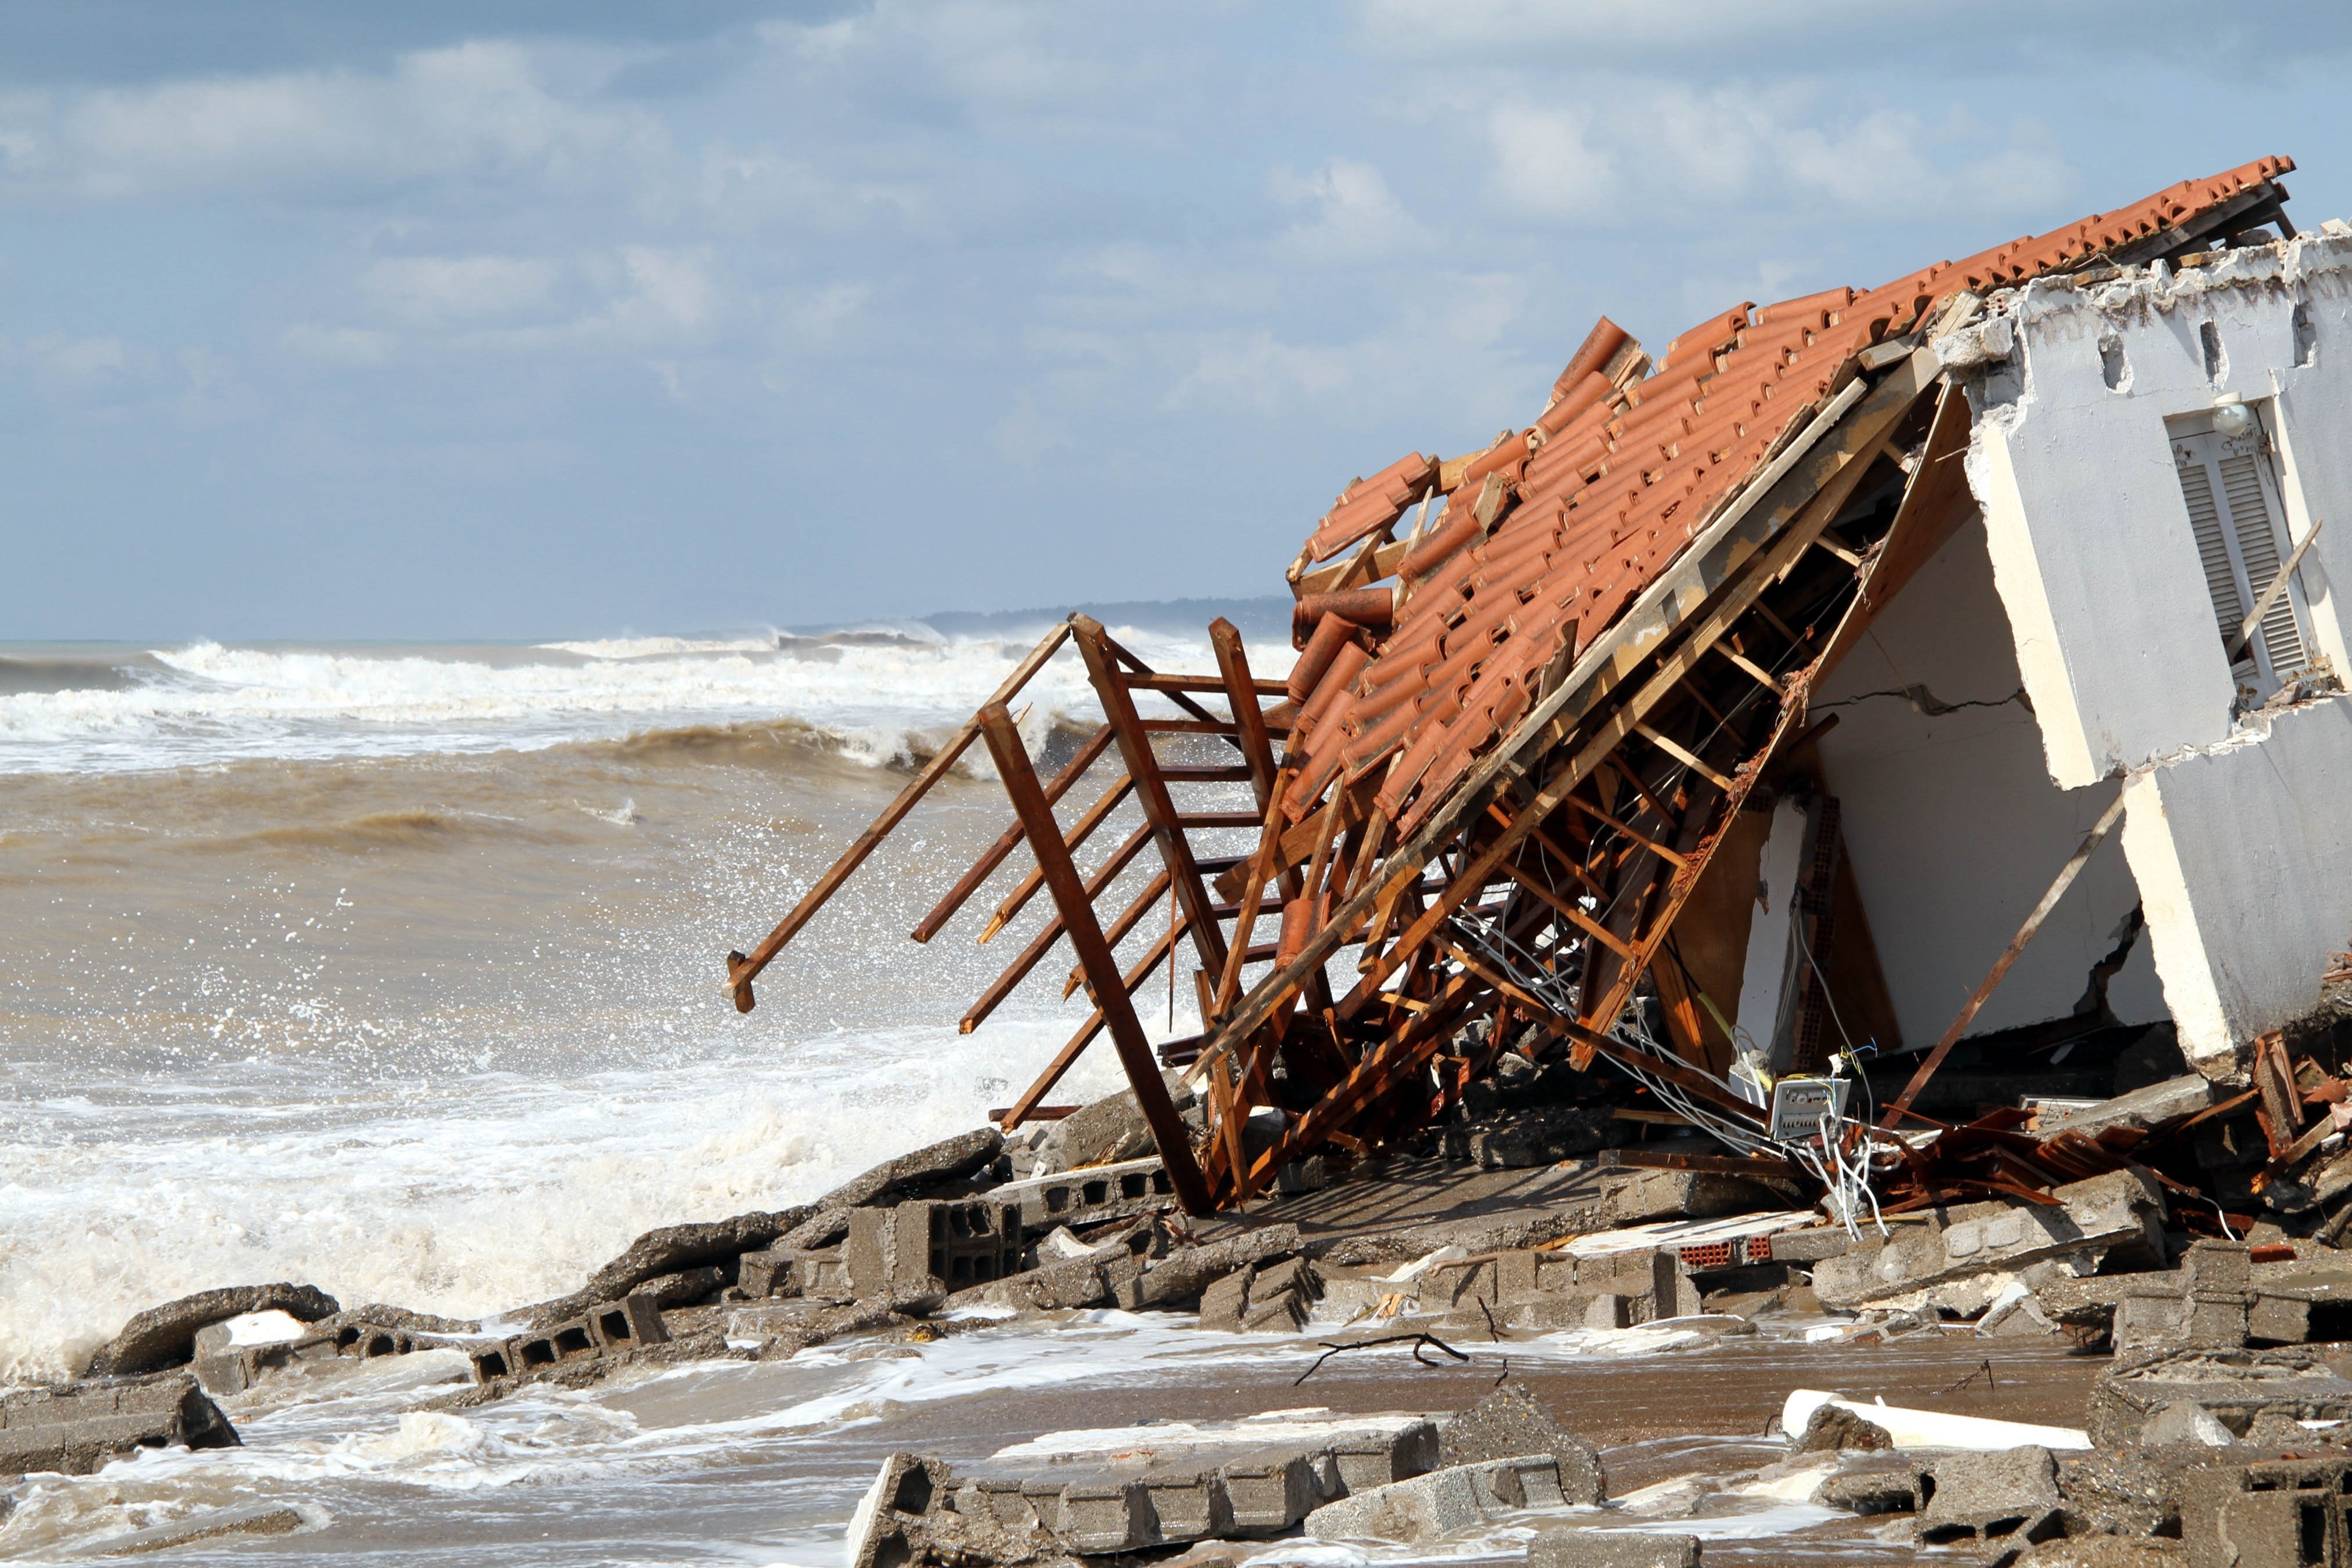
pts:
pixel 76 1429
pixel 959 1242
pixel 904 1491
pixel 1440 1503
pixel 769 1272
pixel 1079 1282
pixel 2278 1320
pixel 1573 1547
pixel 1089 1196
pixel 1181 1276
pixel 1607 1311
pixel 1995 1496
pixel 1375 1456
pixel 1224 1303
pixel 1103 1514
pixel 630 1323
pixel 1511 1423
pixel 1000 1499
pixel 2283 1512
pixel 1188 1502
pixel 1269 1492
pixel 1809 1246
pixel 2217 1266
pixel 2235 1386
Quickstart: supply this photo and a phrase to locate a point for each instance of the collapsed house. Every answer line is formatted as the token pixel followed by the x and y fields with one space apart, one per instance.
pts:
pixel 1743 712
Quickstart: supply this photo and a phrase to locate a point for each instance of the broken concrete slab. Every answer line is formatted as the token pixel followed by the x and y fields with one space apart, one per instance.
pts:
pixel 1571 1547
pixel 1059 1287
pixel 1431 1506
pixel 1179 1278
pixel 1511 1422
pixel 1882 1483
pixel 1633 1197
pixel 675 1248
pixel 2147 1107
pixel 2118 1216
pixel 1111 1130
pixel 165 1336
pixel 2235 1386
pixel 917 1175
pixel 1274 1298
pixel 214 1524
pixel 75 1428
pixel 2009 1494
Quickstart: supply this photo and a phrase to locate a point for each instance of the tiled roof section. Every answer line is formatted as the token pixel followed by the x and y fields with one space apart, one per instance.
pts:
pixel 1370 504
pixel 1600 494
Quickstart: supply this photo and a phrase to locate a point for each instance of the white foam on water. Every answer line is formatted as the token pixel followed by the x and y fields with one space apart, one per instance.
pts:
pixel 212 703
pixel 462 1195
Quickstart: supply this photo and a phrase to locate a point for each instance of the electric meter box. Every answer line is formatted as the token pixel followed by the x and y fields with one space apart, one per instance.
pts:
pixel 1800 1103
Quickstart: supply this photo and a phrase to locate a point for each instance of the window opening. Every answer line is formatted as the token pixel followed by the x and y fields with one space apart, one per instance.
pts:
pixel 2239 525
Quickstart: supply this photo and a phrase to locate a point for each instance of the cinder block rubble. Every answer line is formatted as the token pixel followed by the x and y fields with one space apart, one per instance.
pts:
pixel 959 1242
pixel 1431 1506
pixel 1509 1422
pixel 2290 1512
pixel 2118 1217
pixel 76 1429
pixel 2237 1387
pixel 1089 1196
pixel 2009 1495
pixel 1274 1298
pixel 607 1329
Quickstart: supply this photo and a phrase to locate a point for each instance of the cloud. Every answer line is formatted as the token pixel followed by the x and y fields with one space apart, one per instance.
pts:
pixel 436 289
pixel 1377 376
pixel 480 113
pixel 340 347
pixel 1353 217
pixel 1545 162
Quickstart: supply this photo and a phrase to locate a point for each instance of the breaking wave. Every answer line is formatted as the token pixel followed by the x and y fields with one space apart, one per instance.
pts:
pixel 877 694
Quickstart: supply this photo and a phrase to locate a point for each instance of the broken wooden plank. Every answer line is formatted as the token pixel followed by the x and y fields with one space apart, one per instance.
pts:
pixel 743 968
pixel 1077 911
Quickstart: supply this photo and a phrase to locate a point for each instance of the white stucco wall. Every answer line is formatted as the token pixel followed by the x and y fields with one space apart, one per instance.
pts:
pixel 2237 833
pixel 2089 535
pixel 1953 826
pixel 2245 853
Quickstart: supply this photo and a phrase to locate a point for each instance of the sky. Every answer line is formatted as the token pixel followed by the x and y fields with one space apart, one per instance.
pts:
pixel 519 318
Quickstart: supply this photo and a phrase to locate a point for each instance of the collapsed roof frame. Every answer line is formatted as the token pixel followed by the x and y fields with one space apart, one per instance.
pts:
pixel 1596 652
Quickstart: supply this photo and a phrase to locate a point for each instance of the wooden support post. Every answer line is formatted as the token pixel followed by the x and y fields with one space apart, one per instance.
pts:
pixel 743 968
pixel 1984 990
pixel 1151 790
pixel 1110 991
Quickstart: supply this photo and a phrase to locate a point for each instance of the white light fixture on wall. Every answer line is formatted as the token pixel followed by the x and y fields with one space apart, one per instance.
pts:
pixel 2232 417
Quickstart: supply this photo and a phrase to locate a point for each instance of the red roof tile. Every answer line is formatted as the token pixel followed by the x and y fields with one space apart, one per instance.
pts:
pixel 1606 486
